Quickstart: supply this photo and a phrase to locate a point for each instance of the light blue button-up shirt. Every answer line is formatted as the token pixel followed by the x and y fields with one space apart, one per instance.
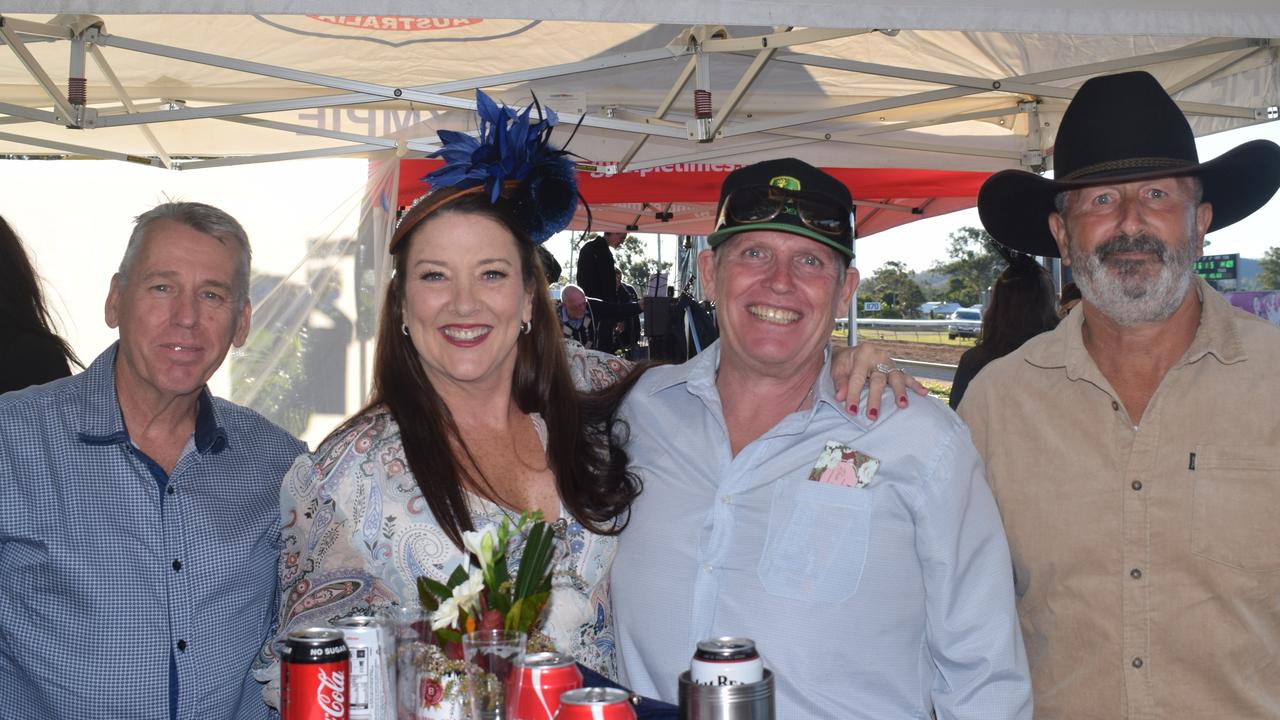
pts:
pixel 886 601
pixel 106 579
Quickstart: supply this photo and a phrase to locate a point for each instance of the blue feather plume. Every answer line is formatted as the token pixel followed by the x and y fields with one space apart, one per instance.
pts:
pixel 509 147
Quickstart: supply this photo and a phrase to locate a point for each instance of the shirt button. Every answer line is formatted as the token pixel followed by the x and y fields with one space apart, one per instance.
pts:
pixel 726 499
pixel 1137 662
pixel 177 565
pixel 182 647
pixel 169 490
pixel 1115 406
pixel 1137 485
pixel 707 568
pixel 1135 573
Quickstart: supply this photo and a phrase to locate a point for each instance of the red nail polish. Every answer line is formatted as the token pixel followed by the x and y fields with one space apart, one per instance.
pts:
pixel 853 408
pixel 872 413
pixel 902 401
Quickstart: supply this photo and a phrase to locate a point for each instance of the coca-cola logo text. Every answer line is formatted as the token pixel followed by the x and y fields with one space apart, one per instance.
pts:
pixel 331 694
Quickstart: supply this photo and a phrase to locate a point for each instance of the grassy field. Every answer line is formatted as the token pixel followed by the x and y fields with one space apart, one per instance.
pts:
pixel 923 336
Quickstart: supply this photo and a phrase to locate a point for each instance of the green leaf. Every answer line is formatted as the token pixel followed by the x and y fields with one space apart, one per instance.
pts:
pixel 458 577
pixel 448 635
pixel 535 567
pixel 525 612
pixel 440 592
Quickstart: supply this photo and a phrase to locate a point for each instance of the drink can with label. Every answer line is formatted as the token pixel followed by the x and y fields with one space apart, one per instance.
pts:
pixel 314 666
pixel 368 640
pixel 537 683
pixel 596 704
pixel 726 661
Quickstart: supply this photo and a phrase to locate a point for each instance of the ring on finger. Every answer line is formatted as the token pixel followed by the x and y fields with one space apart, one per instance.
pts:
pixel 886 369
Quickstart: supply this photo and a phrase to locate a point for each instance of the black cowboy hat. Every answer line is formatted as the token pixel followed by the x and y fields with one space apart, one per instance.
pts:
pixel 1120 128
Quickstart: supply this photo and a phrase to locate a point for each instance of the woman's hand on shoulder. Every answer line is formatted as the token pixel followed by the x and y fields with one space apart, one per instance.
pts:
pixel 869 365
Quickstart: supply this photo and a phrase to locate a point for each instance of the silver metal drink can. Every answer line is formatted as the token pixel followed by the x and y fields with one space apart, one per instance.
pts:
pixel 726 661
pixel 371 696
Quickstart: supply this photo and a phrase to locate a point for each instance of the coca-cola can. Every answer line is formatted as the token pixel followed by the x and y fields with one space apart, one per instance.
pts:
pixel 726 661
pixel 538 681
pixel 596 704
pixel 370 695
pixel 314 667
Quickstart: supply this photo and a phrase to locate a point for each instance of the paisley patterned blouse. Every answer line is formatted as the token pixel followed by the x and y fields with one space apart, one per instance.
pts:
pixel 357 533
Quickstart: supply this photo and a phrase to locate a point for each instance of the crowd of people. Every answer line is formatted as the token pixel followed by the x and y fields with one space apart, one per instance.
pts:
pixel 1091 536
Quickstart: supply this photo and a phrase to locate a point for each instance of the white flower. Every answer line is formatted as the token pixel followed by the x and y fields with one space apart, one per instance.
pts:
pixel 467 595
pixel 481 543
pixel 446 615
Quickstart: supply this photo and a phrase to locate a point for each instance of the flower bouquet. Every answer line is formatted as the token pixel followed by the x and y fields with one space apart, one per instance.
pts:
pixel 483 598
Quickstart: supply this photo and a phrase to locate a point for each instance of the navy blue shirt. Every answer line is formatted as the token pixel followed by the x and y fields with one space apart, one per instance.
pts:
pixel 115 579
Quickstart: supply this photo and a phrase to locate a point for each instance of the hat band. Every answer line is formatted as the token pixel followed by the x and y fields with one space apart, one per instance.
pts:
pixel 1150 163
pixel 427 204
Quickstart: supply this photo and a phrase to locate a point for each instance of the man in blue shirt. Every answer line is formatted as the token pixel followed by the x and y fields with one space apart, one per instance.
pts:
pixel 139 515
pixel 867 561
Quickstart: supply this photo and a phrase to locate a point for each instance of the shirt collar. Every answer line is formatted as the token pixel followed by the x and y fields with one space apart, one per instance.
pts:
pixel 698 375
pixel 102 423
pixel 1216 335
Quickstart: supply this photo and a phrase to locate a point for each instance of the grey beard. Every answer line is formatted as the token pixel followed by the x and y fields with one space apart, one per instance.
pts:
pixel 1124 290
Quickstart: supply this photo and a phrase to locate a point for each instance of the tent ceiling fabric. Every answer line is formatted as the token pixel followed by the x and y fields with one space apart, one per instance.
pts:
pixel 1238 18
pixel 192 91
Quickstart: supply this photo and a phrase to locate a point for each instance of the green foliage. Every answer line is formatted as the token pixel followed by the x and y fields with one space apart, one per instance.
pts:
pixel 1269 276
pixel 895 287
pixel 635 266
pixel 973 267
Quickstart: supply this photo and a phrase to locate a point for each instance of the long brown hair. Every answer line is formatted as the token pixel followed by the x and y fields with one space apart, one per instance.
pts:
pixel 21 299
pixel 587 460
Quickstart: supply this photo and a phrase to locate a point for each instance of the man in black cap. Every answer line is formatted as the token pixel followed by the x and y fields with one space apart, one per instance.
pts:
pixel 866 559
pixel 1135 450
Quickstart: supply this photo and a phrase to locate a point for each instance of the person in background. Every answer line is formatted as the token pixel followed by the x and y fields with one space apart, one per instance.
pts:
pixel 627 332
pixel 597 276
pixel 866 559
pixel 584 319
pixel 1021 307
pixel 31 353
pixel 139 514
pixel 1135 449
pixel 1069 299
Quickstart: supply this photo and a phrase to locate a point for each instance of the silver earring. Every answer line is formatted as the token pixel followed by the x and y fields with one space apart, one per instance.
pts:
pixel 404 328
pixel 525 327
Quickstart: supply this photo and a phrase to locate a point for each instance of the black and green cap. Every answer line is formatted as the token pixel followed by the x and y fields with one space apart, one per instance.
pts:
pixel 786 195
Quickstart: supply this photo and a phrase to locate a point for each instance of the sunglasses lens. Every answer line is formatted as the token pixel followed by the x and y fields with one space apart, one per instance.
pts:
pixel 752 204
pixel 824 217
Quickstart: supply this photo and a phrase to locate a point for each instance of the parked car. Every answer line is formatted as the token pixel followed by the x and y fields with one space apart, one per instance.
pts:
pixel 965 322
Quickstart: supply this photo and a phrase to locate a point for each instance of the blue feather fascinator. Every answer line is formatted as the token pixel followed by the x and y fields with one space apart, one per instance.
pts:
pixel 510 158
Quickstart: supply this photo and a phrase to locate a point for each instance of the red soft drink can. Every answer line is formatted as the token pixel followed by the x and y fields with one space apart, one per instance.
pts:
pixel 314 668
pixel 596 704
pixel 536 684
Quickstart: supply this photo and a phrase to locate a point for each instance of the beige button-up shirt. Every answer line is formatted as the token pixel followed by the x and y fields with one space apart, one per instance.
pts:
pixel 1146 557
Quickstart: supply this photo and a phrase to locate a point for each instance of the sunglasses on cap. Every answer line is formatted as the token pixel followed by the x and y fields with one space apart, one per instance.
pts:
pixel 758 204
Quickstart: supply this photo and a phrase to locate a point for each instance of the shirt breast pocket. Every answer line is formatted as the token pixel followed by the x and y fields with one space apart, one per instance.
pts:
pixel 1236 492
pixel 817 541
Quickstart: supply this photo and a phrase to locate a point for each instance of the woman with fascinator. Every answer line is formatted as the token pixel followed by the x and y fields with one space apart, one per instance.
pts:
pixel 473 415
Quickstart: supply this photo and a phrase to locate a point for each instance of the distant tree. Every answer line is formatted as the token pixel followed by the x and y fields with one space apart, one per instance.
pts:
pixel 973 267
pixel 636 268
pixel 894 286
pixel 1269 276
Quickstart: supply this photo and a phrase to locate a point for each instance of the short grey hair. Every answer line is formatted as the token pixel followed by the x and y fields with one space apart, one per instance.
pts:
pixel 201 218
pixel 1197 195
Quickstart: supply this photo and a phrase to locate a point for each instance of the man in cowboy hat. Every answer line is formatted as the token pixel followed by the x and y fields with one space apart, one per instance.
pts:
pixel 1135 450
pixel 865 558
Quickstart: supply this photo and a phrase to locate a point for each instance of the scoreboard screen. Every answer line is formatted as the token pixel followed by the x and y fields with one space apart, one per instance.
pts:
pixel 1218 267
